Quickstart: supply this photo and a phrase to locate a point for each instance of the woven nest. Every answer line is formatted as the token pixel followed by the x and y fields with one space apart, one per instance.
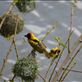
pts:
pixel 8 27
pixel 26 69
pixel 25 5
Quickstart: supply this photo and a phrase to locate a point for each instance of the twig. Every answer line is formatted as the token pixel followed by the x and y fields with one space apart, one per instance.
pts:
pixel 14 42
pixel 49 68
pixel 70 61
pixel 2 21
pixel 48 32
pixel 16 50
pixel 10 9
pixel 59 57
pixel 5 60
pixel 67 72
pixel 42 77
pixel 66 60
pixel 77 71
pixel 10 48
pixel 71 23
pixel 51 63
pixel 54 69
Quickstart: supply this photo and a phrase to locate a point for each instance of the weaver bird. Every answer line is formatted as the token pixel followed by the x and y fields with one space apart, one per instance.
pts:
pixel 39 46
pixel 54 52
pixel 36 44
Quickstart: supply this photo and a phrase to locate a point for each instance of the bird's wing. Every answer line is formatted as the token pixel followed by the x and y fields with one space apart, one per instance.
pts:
pixel 40 44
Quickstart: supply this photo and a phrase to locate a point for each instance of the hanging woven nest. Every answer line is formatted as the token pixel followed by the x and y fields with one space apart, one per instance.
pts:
pixel 11 24
pixel 26 69
pixel 25 5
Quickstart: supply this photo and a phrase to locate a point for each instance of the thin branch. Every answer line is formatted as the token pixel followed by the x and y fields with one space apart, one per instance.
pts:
pixel 10 48
pixel 14 42
pixel 54 69
pixel 67 72
pixel 48 32
pixel 49 68
pixel 2 21
pixel 71 22
pixel 16 50
pixel 5 60
pixel 71 61
pixel 10 9
pixel 77 71
pixel 42 77
pixel 66 59
pixel 59 57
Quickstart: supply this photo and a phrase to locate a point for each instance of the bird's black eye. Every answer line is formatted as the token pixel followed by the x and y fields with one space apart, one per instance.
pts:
pixel 28 35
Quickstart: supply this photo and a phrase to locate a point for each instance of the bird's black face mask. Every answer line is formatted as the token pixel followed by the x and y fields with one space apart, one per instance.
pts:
pixel 28 35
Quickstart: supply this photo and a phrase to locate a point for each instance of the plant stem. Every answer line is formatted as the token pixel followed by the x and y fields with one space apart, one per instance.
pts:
pixel 77 71
pixel 49 68
pixel 5 60
pixel 70 62
pixel 67 72
pixel 42 77
pixel 59 57
pixel 14 42
pixel 48 32
pixel 10 9
pixel 16 50
pixel 2 21
pixel 71 23
pixel 54 69
pixel 66 60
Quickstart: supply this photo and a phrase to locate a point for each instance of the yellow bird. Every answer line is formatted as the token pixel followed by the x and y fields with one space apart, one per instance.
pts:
pixel 54 52
pixel 36 44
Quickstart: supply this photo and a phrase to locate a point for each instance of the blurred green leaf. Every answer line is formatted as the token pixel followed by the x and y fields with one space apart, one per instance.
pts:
pixel 57 38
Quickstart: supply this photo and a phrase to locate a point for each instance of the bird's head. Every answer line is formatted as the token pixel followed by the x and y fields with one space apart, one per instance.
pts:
pixel 30 35
pixel 55 50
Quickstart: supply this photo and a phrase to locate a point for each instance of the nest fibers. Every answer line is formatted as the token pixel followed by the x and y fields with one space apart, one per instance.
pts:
pixel 11 24
pixel 25 5
pixel 26 69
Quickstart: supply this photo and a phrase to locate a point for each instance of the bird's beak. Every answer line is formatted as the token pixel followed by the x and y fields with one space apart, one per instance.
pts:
pixel 25 35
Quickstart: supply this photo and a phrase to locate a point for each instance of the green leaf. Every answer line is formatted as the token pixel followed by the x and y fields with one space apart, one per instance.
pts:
pixel 57 38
